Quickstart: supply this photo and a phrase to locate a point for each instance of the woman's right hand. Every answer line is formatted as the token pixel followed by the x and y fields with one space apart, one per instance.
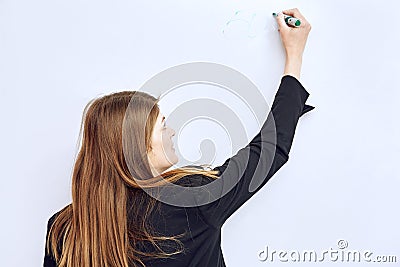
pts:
pixel 294 40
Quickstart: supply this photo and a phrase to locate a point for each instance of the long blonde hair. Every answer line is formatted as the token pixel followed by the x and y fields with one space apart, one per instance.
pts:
pixel 107 221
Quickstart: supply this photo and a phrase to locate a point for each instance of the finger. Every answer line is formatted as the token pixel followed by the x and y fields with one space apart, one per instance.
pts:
pixel 281 22
pixel 294 12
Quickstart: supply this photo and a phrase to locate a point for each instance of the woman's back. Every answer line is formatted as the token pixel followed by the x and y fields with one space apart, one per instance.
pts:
pixel 201 241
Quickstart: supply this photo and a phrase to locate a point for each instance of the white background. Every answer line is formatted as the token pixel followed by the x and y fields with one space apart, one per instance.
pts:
pixel 342 178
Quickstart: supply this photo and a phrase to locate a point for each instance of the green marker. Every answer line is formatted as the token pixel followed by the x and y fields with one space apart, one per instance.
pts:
pixel 290 20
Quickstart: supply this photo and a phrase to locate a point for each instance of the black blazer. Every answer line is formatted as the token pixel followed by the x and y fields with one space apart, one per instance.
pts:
pixel 203 223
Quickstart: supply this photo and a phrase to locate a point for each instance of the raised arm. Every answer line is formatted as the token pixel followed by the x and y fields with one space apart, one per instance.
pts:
pixel 249 170
pixel 263 153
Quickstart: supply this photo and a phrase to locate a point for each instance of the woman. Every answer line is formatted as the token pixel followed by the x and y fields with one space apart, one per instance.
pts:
pixel 112 221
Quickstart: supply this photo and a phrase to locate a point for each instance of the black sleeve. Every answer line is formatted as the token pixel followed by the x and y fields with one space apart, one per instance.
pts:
pixel 49 261
pixel 262 157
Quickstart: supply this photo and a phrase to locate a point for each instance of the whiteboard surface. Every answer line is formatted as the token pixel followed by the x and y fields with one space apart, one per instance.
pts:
pixel 342 177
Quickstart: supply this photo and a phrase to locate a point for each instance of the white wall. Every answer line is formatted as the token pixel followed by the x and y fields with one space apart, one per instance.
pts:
pixel 342 178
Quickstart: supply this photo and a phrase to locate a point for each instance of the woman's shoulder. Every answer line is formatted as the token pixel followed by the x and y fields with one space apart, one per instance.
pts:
pixel 49 259
pixel 194 180
pixel 53 217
